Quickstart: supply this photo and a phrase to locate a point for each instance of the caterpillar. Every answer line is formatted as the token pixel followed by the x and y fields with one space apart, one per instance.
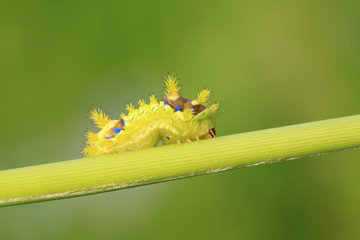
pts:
pixel 172 120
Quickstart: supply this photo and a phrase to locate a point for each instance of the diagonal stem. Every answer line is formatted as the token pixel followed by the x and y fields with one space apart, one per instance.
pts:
pixel 128 169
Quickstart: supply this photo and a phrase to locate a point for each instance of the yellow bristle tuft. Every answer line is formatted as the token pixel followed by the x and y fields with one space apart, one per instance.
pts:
pixel 91 137
pixel 214 107
pixel 171 86
pixel 130 108
pixel 153 99
pixel 99 118
pixel 203 97
pixel 141 102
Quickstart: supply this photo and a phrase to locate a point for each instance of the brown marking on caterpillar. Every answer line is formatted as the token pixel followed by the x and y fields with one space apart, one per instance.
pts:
pixel 212 132
pixel 184 103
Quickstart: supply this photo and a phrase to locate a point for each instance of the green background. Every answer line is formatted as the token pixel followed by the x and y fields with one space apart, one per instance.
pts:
pixel 269 63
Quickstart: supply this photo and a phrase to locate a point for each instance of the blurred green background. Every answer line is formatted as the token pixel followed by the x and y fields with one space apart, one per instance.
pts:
pixel 269 63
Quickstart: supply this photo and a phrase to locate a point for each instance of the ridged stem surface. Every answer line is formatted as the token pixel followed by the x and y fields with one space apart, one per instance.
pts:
pixel 127 169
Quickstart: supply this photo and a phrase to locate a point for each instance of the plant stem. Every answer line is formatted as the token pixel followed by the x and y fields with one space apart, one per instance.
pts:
pixel 128 169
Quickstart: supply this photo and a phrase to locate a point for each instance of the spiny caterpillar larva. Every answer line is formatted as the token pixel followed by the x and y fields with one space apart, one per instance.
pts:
pixel 173 120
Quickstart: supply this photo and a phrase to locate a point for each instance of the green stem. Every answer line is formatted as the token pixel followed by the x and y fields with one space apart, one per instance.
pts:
pixel 128 169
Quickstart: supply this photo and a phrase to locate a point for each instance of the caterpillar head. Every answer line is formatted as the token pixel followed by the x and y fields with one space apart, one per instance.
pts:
pixel 178 103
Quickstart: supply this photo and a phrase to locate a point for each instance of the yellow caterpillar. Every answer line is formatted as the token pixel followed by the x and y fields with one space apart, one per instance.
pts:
pixel 173 120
